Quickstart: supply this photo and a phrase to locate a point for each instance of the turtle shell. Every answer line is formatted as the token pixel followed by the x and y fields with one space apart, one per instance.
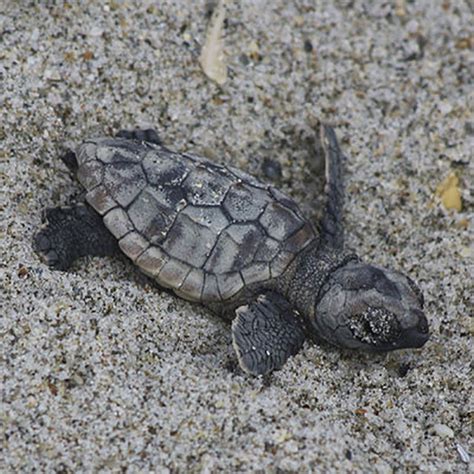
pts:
pixel 202 229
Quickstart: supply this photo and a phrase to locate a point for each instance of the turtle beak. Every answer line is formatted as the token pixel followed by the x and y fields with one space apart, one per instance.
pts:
pixel 416 336
pixel 412 337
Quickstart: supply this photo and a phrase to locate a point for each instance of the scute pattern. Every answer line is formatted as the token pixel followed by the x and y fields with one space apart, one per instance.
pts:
pixel 150 216
pixel 133 245
pixel 229 284
pixel 206 186
pixel 110 154
pixel 118 222
pixel 152 260
pixel 165 168
pixel 188 241
pixel 192 286
pixel 244 203
pixel 124 181
pixel 235 248
pixel 100 199
pixel 279 221
pixel 91 174
pixel 201 229
pixel 174 273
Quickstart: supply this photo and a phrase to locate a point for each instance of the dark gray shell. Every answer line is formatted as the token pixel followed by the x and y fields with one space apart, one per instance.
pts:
pixel 201 229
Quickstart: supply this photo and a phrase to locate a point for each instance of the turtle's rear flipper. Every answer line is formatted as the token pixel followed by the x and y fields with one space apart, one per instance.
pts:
pixel 73 232
pixel 265 333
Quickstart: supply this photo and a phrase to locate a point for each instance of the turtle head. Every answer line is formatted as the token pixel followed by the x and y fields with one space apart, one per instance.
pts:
pixel 367 307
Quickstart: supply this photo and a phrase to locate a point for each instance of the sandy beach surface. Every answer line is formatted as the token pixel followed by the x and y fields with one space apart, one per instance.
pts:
pixel 102 372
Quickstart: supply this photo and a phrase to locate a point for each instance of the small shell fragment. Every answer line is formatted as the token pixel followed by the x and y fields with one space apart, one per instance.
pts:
pixel 449 193
pixel 212 57
pixel 443 431
pixel 463 454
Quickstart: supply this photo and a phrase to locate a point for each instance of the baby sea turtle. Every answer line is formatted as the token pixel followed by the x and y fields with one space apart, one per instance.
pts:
pixel 218 236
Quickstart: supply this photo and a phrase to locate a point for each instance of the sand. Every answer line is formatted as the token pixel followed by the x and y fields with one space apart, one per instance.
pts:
pixel 101 371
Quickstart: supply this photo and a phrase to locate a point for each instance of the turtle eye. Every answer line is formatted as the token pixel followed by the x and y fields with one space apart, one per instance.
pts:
pixel 415 288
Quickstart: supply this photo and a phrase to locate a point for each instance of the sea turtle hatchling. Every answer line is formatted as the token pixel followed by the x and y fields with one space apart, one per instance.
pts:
pixel 218 236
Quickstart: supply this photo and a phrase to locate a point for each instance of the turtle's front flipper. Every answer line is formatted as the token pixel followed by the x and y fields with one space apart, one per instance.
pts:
pixel 265 333
pixel 332 232
pixel 73 232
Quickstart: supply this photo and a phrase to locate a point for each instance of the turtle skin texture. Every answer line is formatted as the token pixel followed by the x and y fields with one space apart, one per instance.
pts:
pixel 201 229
